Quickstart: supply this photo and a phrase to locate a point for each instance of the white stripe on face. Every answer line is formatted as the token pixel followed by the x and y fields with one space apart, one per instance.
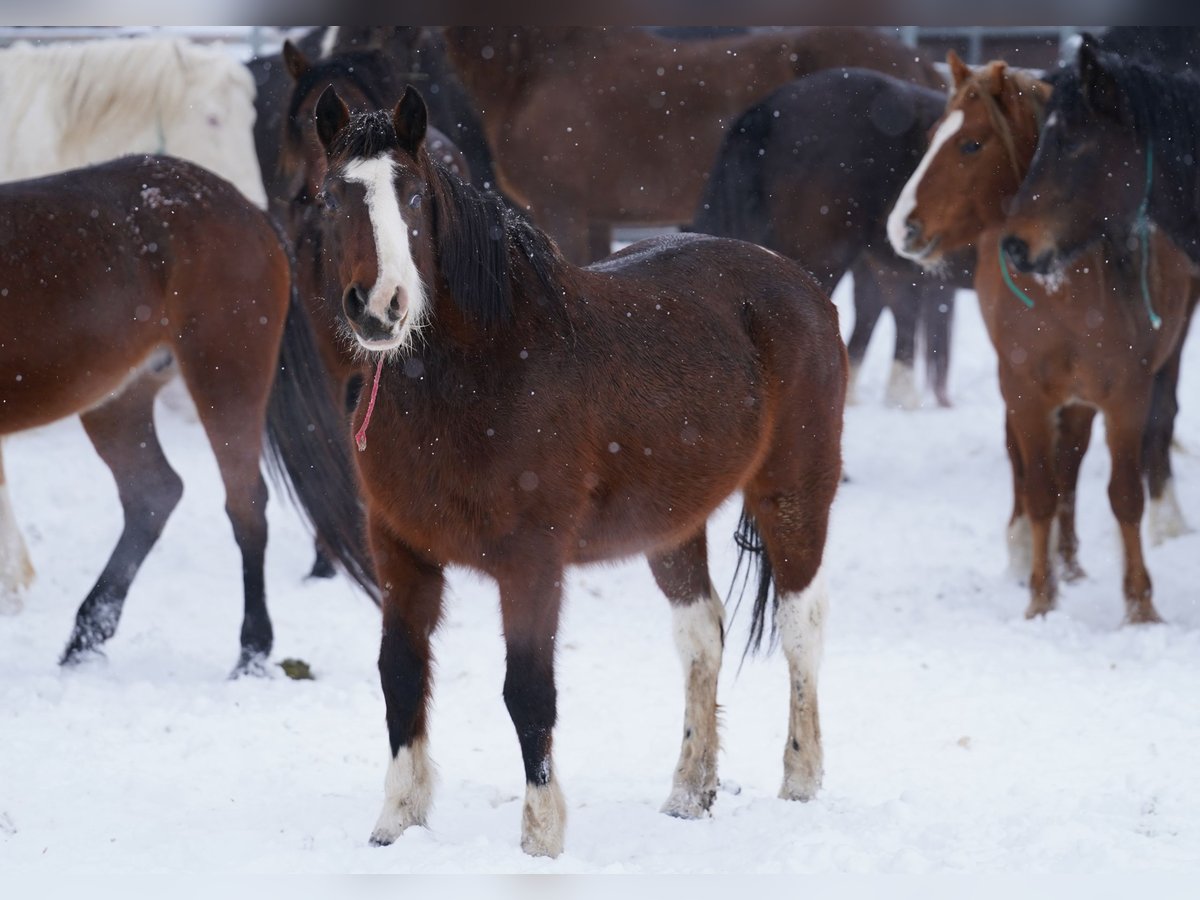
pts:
pixel 898 220
pixel 393 253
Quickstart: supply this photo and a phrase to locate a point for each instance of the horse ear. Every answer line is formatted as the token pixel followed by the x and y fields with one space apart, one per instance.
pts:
pixel 410 119
pixel 995 77
pixel 1100 89
pixel 294 60
pixel 959 70
pixel 332 114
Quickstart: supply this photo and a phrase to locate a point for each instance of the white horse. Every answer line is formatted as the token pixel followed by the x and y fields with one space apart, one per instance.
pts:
pixel 73 104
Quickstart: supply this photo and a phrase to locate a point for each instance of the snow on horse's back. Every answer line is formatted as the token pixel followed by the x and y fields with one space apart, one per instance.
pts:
pixel 73 104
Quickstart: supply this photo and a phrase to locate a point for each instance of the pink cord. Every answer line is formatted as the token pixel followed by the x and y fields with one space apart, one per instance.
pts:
pixel 361 437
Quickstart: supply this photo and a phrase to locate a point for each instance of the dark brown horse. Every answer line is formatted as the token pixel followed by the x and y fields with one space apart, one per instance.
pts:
pixel 812 172
pixel 364 77
pixel 593 127
pixel 1065 351
pixel 528 415
pixel 128 271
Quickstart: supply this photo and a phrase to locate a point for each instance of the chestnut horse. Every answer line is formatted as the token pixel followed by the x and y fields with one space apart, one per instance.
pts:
pixel 1065 351
pixel 812 172
pixel 128 271
pixel 527 415
pixel 593 127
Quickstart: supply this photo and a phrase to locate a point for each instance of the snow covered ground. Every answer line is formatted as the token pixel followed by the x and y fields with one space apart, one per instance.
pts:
pixel 958 736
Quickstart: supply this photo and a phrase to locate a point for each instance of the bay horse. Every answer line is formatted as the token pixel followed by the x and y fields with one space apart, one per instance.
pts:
pixel 592 127
pixel 812 172
pixel 72 104
pixel 133 269
pixel 527 415
pixel 364 77
pixel 1065 351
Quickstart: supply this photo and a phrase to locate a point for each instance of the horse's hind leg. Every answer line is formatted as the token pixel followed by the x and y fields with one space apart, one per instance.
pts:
pixel 789 500
pixel 868 305
pixel 16 570
pixel 937 320
pixel 122 431
pixel 904 300
pixel 682 574
pixel 1165 517
pixel 231 400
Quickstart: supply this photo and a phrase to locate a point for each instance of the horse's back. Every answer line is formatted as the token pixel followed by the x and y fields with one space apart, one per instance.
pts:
pixel 761 293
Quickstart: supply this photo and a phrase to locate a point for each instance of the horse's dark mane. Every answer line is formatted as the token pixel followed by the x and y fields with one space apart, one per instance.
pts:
pixel 1160 106
pixel 482 243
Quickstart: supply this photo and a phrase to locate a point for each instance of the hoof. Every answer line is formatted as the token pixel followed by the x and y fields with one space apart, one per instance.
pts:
pixel 1072 572
pixel 11 602
pixel 81 655
pixel 801 789
pixel 251 664
pixel 322 567
pixel 1038 609
pixel 1143 615
pixel 379 839
pixel 684 804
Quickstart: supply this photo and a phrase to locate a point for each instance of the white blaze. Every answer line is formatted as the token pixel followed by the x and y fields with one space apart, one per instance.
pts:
pixel 908 197
pixel 393 253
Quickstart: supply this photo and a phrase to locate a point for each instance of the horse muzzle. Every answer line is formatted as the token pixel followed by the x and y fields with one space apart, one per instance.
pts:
pixel 372 331
pixel 1018 253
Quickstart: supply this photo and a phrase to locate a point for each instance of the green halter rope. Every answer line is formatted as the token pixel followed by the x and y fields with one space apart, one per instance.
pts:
pixel 1141 225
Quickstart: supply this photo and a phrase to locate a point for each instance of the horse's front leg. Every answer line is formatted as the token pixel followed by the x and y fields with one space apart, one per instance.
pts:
pixel 1032 424
pixel 530 599
pixel 412 607
pixel 1125 423
pixel 16 571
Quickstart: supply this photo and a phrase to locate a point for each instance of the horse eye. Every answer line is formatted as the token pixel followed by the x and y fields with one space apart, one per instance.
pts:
pixel 327 200
pixel 970 147
pixel 415 201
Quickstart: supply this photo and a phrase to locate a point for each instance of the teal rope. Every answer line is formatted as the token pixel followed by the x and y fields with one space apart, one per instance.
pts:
pixel 1142 226
pixel 1008 280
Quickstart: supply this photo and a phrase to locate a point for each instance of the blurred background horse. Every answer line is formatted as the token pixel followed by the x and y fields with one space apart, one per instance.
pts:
pixel 801 175
pixel 72 104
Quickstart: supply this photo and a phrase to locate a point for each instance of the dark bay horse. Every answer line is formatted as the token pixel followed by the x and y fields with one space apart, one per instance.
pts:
pixel 812 172
pixel 125 272
pixel 528 415
pixel 1107 116
pixel 593 127
pixel 364 77
pixel 1088 343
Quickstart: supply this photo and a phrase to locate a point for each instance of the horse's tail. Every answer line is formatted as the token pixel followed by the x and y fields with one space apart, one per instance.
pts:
pixel 308 443
pixel 735 200
pixel 752 554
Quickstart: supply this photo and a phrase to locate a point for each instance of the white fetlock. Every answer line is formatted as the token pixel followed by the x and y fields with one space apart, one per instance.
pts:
pixel 408 794
pixel 902 388
pixel 543 820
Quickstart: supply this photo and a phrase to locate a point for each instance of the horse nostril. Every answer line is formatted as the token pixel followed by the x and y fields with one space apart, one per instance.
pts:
pixel 354 301
pixel 395 311
pixel 1016 250
pixel 912 230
